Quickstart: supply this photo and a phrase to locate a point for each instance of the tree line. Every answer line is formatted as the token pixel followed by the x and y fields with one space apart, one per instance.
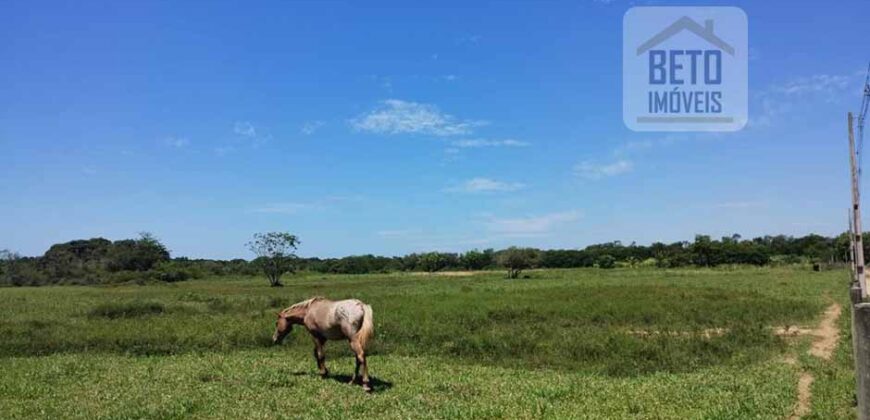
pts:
pixel 704 251
pixel 98 260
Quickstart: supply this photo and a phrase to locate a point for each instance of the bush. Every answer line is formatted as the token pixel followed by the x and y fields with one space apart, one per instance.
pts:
pixel 173 276
pixel 649 262
pixel 126 277
pixel 132 309
pixel 174 271
pixel 606 261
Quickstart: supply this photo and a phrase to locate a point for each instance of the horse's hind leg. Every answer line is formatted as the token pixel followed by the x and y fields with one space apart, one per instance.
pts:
pixel 360 361
pixel 356 363
pixel 320 356
pixel 353 379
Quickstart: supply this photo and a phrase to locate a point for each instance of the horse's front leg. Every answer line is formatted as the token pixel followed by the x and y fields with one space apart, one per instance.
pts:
pixel 320 356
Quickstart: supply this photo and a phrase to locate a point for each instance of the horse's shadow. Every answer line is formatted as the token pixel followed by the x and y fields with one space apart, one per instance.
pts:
pixel 377 384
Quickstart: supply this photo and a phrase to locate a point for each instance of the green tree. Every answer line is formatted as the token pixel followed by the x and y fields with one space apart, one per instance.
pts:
pixel 516 260
pixel 476 260
pixel 8 260
pixel 140 254
pixel 275 255
pixel 78 259
pixel 433 261
pixel 704 251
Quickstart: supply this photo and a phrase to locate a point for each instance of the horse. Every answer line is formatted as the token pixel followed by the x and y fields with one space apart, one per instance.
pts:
pixel 348 319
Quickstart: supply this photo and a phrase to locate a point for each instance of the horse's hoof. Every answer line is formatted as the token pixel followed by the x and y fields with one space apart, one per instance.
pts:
pixel 324 375
pixel 367 388
pixel 351 382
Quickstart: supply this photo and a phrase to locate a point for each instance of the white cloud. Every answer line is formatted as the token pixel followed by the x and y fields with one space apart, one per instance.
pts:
pixel 245 129
pixel 632 148
pixel 311 126
pixel 532 226
pixel 482 185
pixel 478 143
pixel 282 208
pixel 257 136
pixel 472 39
pixel 177 142
pixel 778 101
pixel 395 116
pixel 591 170
pixel 818 83
pixel 224 150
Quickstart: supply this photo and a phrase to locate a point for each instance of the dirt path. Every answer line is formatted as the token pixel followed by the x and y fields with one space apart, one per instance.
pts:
pixel 449 273
pixel 804 395
pixel 827 334
pixel 825 337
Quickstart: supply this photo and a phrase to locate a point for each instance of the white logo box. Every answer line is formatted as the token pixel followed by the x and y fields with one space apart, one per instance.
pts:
pixel 685 69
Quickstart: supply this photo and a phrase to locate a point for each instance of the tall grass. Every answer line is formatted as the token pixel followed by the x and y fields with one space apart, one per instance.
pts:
pixel 134 309
pixel 560 319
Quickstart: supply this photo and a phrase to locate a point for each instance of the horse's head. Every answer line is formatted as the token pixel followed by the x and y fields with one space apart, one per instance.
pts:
pixel 282 328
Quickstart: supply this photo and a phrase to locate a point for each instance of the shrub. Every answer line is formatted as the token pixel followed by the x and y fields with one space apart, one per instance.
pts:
pixel 606 261
pixel 132 309
pixel 174 271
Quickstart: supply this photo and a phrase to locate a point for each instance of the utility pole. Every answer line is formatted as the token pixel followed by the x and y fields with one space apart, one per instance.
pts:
pixel 856 215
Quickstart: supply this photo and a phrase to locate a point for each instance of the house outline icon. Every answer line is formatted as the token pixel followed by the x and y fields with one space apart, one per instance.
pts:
pixel 685 23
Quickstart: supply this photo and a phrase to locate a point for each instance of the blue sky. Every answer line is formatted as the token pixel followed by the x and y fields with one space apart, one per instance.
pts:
pixel 385 128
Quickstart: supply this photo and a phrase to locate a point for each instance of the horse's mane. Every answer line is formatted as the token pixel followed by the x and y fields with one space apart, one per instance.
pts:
pixel 304 304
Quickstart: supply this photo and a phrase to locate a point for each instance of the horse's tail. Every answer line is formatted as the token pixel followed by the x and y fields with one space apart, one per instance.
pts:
pixel 367 330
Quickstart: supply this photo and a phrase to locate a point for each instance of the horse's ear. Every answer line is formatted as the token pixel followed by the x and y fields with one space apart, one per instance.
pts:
pixel 279 314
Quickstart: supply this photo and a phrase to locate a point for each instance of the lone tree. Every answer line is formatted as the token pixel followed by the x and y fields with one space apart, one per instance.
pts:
pixel 275 255
pixel 516 260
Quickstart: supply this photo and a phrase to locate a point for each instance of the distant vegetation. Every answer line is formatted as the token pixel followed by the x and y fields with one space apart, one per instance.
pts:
pixel 98 260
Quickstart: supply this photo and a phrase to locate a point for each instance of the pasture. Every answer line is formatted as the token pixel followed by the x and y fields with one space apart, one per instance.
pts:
pixel 580 343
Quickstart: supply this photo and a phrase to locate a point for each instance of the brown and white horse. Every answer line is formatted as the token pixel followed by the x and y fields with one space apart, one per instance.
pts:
pixel 331 320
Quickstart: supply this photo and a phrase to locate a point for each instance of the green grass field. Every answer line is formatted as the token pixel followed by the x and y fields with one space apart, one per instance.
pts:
pixel 565 343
